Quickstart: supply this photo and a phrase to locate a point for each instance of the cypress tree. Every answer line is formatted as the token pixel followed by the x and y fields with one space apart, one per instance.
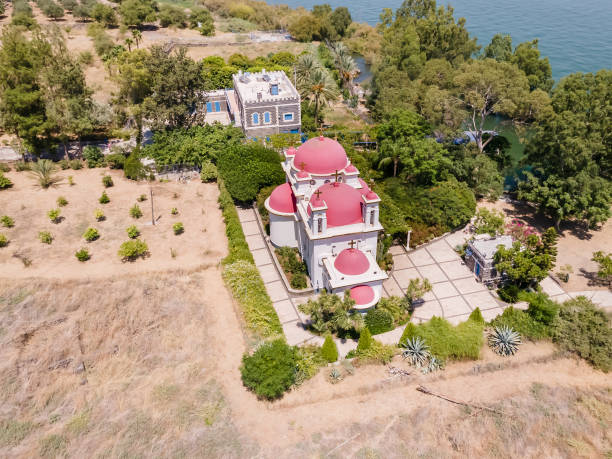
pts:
pixel 365 340
pixel 329 350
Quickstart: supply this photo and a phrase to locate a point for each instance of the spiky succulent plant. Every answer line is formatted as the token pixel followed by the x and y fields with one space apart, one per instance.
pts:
pixel 416 351
pixel 434 364
pixel 335 376
pixel 504 340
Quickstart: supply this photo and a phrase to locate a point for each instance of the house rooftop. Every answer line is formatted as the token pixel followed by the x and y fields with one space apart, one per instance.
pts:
pixel 487 247
pixel 264 86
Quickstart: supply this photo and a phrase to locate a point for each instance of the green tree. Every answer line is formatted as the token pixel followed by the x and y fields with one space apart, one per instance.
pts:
pixel 134 13
pixel 104 14
pixel 487 87
pixel 172 16
pixel 479 171
pixel 329 350
pixel 524 265
pixel 416 289
pixel 527 58
pixel 304 28
pixel 499 49
pixel 216 73
pixel 201 19
pixel 403 125
pixel 604 261
pixel 390 153
pixel 345 65
pixel 176 85
pixel 365 340
pixel 341 20
pixel 489 222
pixel 425 162
pixel 271 369
pixel 320 88
pixel 571 152
pixel 330 313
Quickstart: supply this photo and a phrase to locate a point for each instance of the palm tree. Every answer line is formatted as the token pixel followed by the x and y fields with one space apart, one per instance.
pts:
pixel 390 152
pixel 129 42
pixel 305 67
pixel 345 64
pixel 321 88
pixel 44 172
pixel 137 36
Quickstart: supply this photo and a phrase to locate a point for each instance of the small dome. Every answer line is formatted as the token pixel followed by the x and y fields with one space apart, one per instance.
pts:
pixel 282 199
pixel 351 168
pixel 371 195
pixel 291 151
pixel 352 262
pixel 343 203
pixel 303 174
pixel 362 294
pixel 320 155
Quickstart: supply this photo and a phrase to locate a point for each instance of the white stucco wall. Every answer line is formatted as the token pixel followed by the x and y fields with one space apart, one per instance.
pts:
pixel 282 230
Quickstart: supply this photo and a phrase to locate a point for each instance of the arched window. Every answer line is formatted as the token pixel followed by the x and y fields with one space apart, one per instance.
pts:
pixel 267 118
pixel 255 118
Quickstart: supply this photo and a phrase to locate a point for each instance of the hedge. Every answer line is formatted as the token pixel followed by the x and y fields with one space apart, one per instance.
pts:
pixel 238 247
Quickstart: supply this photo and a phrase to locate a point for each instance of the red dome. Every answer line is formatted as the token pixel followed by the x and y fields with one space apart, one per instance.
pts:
pixel 362 294
pixel 282 199
pixel 371 196
pixel 343 203
pixel 352 262
pixel 291 151
pixel 320 155
pixel 351 168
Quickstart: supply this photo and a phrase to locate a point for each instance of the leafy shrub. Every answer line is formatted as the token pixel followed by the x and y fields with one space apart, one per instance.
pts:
pixel 7 221
pixel 523 323
pixel 309 360
pixel 375 353
pixel 541 307
pixel 489 221
pixel 91 234
pixel 238 247
pixel 99 215
pixel 70 180
pixel 248 288
pixel 93 156
pixel 133 249
pixel 115 161
pixel 174 211
pixel 397 306
pixel 76 164
pixel 4 182
pixel 209 171
pixel 294 267
pixel 62 201
pixel 446 341
pixel 509 293
pixel 178 228
pixel 201 19
pixel 141 198
pixel 82 254
pixel 133 232
pixel 172 16
pixel 45 237
pixel 245 169
pixel 135 211
pixel 107 181
pixel 21 166
pixel 378 321
pixel 330 313
pixel 104 199
pixel 3 240
pixel 54 215
pixel 133 168
pixel 365 340
pixel 329 350
pixel 270 371
pixel 64 164
pixel 584 329
pixel 5 167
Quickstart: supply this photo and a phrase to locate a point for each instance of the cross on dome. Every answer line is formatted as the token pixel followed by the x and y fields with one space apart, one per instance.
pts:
pixel 318 193
pixel 352 244
pixel 302 165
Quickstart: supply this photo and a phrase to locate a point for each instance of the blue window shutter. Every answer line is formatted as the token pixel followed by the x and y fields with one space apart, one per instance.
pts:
pixel 266 117
pixel 217 107
pixel 209 106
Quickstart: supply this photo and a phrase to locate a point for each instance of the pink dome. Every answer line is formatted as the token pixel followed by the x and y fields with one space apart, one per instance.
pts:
pixel 282 199
pixel 362 294
pixel 291 151
pixel 371 195
pixel 352 262
pixel 343 203
pixel 320 155
pixel 351 168
pixel 303 174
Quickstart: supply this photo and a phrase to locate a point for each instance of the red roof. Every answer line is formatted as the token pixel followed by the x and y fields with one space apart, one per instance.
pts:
pixel 343 203
pixel 352 262
pixel 351 168
pixel 365 189
pixel 362 294
pixel 320 155
pixel 371 195
pixel 282 199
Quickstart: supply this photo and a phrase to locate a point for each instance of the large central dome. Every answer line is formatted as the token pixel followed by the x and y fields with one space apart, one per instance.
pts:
pixel 343 203
pixel 320 155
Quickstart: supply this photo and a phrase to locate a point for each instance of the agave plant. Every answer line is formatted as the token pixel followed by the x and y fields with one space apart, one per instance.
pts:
pixel 504 340
pixel 416 351
pixel 434 364
pixel 335 376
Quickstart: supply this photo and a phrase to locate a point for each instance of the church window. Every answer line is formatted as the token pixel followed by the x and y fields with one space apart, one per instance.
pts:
pixel 319 225
pixel 267 118
pixel 288 116
pixel 217 107
pixel 372 218
pixel 209 106
pixel 255 118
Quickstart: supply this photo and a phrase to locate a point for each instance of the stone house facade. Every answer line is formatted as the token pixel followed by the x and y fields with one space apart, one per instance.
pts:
pixel 480 254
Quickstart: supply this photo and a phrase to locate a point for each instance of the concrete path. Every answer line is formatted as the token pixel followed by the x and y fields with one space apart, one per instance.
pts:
pixel 602 298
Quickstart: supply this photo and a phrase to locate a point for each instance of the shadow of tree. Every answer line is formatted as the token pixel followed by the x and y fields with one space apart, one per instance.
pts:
pixel 593 279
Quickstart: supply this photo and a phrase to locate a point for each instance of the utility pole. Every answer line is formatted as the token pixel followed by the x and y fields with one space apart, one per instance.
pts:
pixel 152 211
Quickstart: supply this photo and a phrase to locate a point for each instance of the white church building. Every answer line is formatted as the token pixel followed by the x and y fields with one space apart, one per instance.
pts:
pixel 332 217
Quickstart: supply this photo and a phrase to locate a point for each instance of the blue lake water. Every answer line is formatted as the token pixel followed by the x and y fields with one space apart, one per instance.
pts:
pixel 576 35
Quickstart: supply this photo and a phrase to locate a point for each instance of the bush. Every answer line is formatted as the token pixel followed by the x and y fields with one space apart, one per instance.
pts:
pixel 54 215
pixel 171 16
pixel 135 211
pixel 5 167
pixel 21 166
pixel 209 172
pixel 115 161
pixel 64 164
pixel 104 199
pixel 541 307
pixel 62 201
pixel 201 19
pixel 43 171
pixel 76 164
pixel 245 169
pixel 7 221
pixel 133 168
pixel 45 237
pixel 133 249
pixel 294 267
pixel 141 198
pixel 446 341
pixel 174 211
pixel 523 323
pixel 330 313
pixel 104 14
pixel 248 288
pixel 270 371
pixel 132 232
pixel 584 329
pixel 85 58
pixel 70 180
pixel 365 340
pixel 82 255
pixel 93 156
pixel 489 221
pixel 309 360
pixel 4 182
pixel 178 228
pixel 397 306
pixel 375 353
pixel 3 240
pixel 238 247
pixel 378 321
pixel 329 350
pixel 99 215
pixel 509 293
pixel 91 234
pixel 107 181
